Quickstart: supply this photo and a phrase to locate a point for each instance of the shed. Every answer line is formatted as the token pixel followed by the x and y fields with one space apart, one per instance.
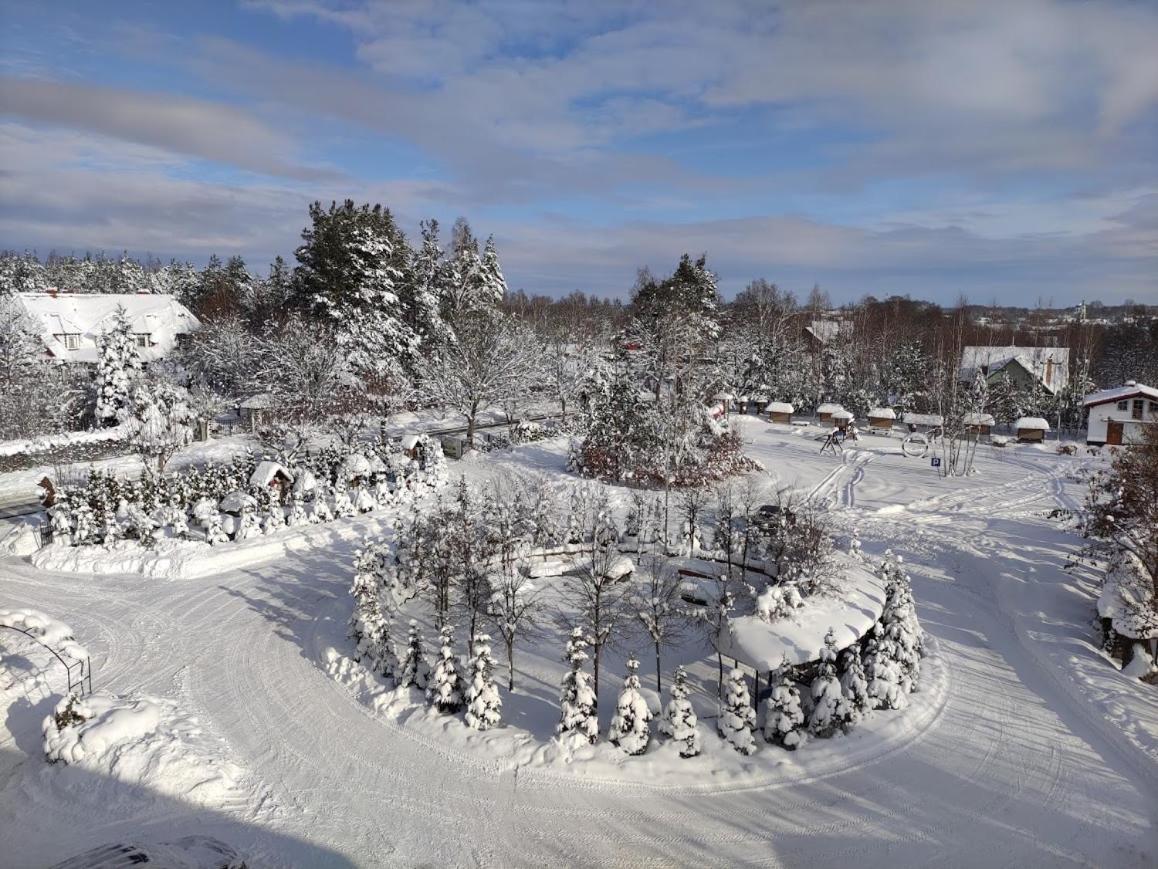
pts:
pixel 455 446
pixel 1031 429
pixel 979 423
pixel 273 476
pixel 882 418
pixel 409 446
pixel 923 420
pixel 825 411
pixel 255 410
pixel 779 411
pixel 842 418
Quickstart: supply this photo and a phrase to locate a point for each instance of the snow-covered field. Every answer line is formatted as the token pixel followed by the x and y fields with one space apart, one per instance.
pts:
pixel 1025 746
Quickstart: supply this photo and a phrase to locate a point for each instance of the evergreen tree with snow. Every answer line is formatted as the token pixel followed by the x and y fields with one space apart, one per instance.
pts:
pixel 484 706
pixel 854 683
pixel 883 673
pixel 60 517
pixel 679 721
pixel 737 719
pixel 444 691
pixel 580 717
pixel 297 511
pixel 899 625
pixel 118 366
pixel 414 670
pixel 830 711
pixel 247 523
pixel 353 274
pixel 85 530
pixel 322 512
pixel 492 286
pixel 343 506
pixel 631 725
pixel 783 717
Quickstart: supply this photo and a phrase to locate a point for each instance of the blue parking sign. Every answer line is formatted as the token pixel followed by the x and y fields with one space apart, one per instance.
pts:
pixel 936 462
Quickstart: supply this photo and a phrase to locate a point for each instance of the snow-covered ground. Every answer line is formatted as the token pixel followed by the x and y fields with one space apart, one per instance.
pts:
pixel 1026 746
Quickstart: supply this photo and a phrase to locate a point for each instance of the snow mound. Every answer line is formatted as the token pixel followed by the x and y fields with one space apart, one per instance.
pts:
pixel 144 741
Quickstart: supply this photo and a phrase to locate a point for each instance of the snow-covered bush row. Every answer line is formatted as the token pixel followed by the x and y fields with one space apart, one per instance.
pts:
pixel 243 498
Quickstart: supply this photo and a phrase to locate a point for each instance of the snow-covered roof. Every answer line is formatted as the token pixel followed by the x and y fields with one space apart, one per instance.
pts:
pixel 979 419
pixel 829 407
pixel 842 414
pixel 261 401
pixel 265 471
pixel 89 315
pixel 826 330
pixel 1038 361
pixel 1129 390
pixel 911 418
pixel 1031 422
pixel 882 413
pixel 409 442
pixel 235 501
pixel 723 396
pixel 355 465
pixel 800 637
pixel 779 407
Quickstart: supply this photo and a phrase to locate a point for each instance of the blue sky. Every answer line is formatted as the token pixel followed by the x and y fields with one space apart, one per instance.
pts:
pixel 1004 151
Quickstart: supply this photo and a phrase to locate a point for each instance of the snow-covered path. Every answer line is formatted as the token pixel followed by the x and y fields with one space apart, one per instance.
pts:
pixel 1020 768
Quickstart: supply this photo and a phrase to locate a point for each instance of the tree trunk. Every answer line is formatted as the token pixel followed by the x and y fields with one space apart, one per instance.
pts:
pixel 511 664
pixel 658 673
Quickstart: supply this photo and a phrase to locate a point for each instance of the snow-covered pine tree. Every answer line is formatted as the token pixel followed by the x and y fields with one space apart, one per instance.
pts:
pixel 444 691
pixel 85 530
pixel 484 705
pixel 297 511
pixel 679 718
pixel 737 720
pixel 414 670
pixel 830 711
pixel 491 285
pixel 899 622
pixel 854 683
pixel 783 717
pixel 343 506
pixel 118 366
pixel 631 725
pixel 579 719
pixel 883 672
pixel 274 517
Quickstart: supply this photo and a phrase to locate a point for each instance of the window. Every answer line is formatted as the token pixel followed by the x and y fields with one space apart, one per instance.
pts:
pixel 71 340
pixel 1123 405
pixel 1136 412
pixel 1154 408
pixel 142 339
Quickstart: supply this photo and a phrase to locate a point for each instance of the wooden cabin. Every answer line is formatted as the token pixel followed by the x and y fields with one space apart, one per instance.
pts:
pixel 881 419
pixel 979 424
pixel 825 411
pixel 1031 429
pixel 779 411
